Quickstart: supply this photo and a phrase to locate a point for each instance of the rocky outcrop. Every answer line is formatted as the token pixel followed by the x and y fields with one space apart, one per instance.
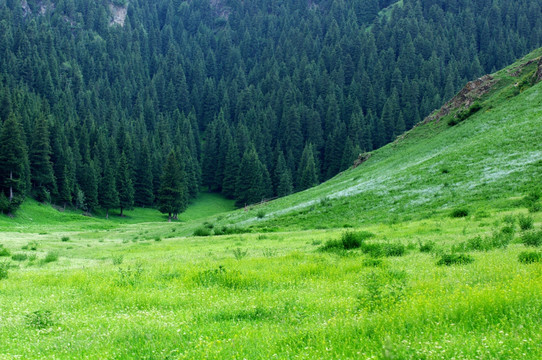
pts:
pixel 538 73
pixel 361 159
pixel 119 14
pixel 465 98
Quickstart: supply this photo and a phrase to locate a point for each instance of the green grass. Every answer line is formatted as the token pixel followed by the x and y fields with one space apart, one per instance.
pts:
pixel 139 287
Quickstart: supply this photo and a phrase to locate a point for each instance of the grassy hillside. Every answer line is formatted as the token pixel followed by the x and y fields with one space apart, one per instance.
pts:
pixel 429 250
pixel 484 163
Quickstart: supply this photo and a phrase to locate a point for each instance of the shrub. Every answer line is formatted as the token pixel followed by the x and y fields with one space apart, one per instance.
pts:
pixel 427 246
pixel 130 275
pixel 157 238
pixel 39 319
pixel 525 222
pixel 384 249
pixel 372 262
pixel 4 266
pixel 535 207
pixel 455 259
pixel 463 115
pixel 239 253
pixel 117 260
pixel 509 219
pixel 332 246
pixel 261 214
pixel 51 256
pixel 460 213
pixel 269 252
pixel 202 231
pixel 382 289
pixel 19 257
pixel 65 238
pixel 351 240
pixel 325 202
pixel 224 230
pixel 532 238
pixel 529 257
pixel 32 245
pixel 4 251
pixel 208 225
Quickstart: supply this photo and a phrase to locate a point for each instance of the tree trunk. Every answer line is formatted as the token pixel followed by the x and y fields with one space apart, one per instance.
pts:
pixel 10 186
pixel 121 209
pixel 107 213
pixel 169 217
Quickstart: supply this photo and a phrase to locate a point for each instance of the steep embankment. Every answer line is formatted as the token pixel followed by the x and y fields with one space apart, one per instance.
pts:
pixel 482 150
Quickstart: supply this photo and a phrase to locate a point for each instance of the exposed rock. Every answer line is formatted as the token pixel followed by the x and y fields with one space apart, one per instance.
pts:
pixel 119 14
pixel 465 98
pixel 515 72
pixel 26 8
pixel 361 159
pixel 538 73
pixel 221 9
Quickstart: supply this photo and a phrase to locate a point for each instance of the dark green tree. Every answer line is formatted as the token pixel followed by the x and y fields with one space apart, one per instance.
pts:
pixel 170 195
pixel 41 167
pixel 108 196
pixel 143 188
pixel 13 164
pixel 307 174
pixel 125 187
pixel 250 180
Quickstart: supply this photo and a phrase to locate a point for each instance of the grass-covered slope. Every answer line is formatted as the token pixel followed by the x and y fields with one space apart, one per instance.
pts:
pixel 484 162
pixel 406 280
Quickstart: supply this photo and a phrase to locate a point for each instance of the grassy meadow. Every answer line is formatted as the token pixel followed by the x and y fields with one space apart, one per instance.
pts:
pixel 432 249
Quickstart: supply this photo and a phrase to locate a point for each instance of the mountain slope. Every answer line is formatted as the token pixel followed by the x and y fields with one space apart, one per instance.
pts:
pixel 486 161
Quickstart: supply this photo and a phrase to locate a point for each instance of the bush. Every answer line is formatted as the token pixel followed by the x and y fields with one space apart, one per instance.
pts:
pixel 39 319
pixel 532 238
pixel 529 257
pixel 117 260
pixel 19 257
pixel 332 246
pixel 202 231
pixel 525 222
pixel 460 213
pixel 349 240
pixel 4 266
pixel 4 251
pixel 427 246
pixel 384 249
pixel 372 262
pixel 353 240
pixel 499 239
pixel 463 115
pixel 535 207
pixel 65 238
pixel 32 245
pixel 51 256
pixel 239 253
pixel 455 259
pixel 261 214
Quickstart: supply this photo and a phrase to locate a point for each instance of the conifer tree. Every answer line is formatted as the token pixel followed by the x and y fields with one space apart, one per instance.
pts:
pixel 249 185
pixel 307 175
pixel 125 187
pixel 13 164
pixel 231 170
pixel 109 196
pixel 41 168
pixel 65 186
pixel 170 195
pixel 143 189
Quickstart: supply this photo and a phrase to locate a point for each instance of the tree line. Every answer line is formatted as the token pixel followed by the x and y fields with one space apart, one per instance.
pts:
pixel 251 99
